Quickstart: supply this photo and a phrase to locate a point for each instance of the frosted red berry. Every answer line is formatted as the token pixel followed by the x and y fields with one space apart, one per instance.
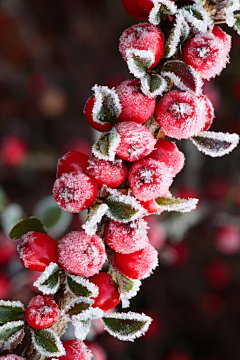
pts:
pixel 178 114
pixel 41 312
pixel 135 105
pixel 37 250
pixel 88 113
pixel 75 350
pixel 110 173
pixel 126 238
pixel 137 265
pixel 81 254
pixel 222 36
pixel 149 179
pixel 207 112
pixel 108 296
pixel 136 141
pixel 75 191
pixel 72 161
pixel 133 10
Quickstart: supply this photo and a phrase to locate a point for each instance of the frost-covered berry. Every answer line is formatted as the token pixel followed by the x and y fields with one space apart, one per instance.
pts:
pixel 72 161
pixel 75 350
pixel 224 37
pixel 136 141
pixel 206 54
pixel 126 238
pixel 11 357
pixel 167 152
pixel 75 191
pixel 137 265
pixel 37 250
pixel 110 173
pixel 208 112
pixel 135 105
pixel 88 113
pixel 81 254
pixel 133 10
pixel 108 296
pixel 149 179
pixel 178 114
pixel 41 312
pixel 142 36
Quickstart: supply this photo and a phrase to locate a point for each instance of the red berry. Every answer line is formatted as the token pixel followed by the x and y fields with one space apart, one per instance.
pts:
pixel 133 10
pixel 81 254
pixel 75 191
pixel 208 112
pixel 149 179
pixel 135 105
pixel 167 152
pixel 136 141
pixel 72 161
pixel 98 352
pixel 108 296
pixel 88 110
pixel 13 151
pixel 227 239
pixel 75 350
pixel 12 357
pixel 41 312
pixel 110 173
pixel 145 5
pixel 142 36
pixel 179 114
pixel 225 38
pixel 37 250
pixel 126 238
pixel 137 265
pixel 219 274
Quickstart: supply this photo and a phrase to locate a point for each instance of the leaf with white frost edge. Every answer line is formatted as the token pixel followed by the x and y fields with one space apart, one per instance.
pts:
pixel 126 326
pixel 197 17
pixel 161 8
pixel 24 226
pixel 79 286
pixel 139 61
pixel 233 5
pixel 215 144
pixel 81 328
pixel 153 85
pixel 10 329
pixel 47 343
pixel 105 148
pixel 89 314
pixel 10 310
pixel 94 217
pixel 172 204
pixel 49 281
pixel 236 25
pixel 77 306
pixel 13 341
pixel 107 107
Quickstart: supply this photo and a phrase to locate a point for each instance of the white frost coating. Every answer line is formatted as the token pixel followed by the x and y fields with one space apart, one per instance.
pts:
pixel 201 25
pixel 146 56
pixel 91 224
pixel 84 282
pixel 232 139
pixel 146 89
pixel 61 350
pixel 81 328
pixel 16 303
pixel 128 316
pixel 185 205
pixel 153 15
pixel 10 325
pixel 89 314
pixel 181 28
pixel 46 290
pixel 101 93
pixel 233 5
pixel 114 141
pixel 115 195
pixel 6 345
pixel 73 302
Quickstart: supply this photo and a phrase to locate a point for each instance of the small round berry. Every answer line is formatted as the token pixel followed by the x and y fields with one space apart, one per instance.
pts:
pixel 208 111
pixel 37 250
pixel 149 179
pixel 135 105
pixel 75 191
pixel 110 173
pixel 75 350
pixel 98 352
pixel 224 37
pixel 81 254
pixel 178 114
pixel 11 357
pixel 136 141
pixel 167 152
pixel 41 312
pixel 108 296
pixel 133 10
pixel 126 238
pixel 88 113
pixel 137 265
pixel 72 161
pixel 13 151
pixel 142 36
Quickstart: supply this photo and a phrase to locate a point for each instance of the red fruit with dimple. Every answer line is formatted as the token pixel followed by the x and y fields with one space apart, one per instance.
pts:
pixel 75 350
pixel 75 191
pixel 72 161
pixel 136 141
pixel 137 265
pixel 81 254
pixel 108 296
pixel 135 105
pixel 37 250
pixel 142 36
pixel 41 312
pixel 133 10
pixel 126 238
pixel 88 110
pixel 149 179
pixel 110 173
pixel 208 112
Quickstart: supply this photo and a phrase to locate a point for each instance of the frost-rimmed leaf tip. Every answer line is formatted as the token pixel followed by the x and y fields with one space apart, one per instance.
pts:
pixel 81 328
pixel 10 310
pixel 153 85
pixel 139 61
pixel 79 286
pixel 94 217
pixel 160 9
pixel 47 343
pixel 232 6
pixel 49 281
pixel 105 148
pixel 11 334
pixel 24 226
pixel 77 306
pixel 197 17
pixel 172 204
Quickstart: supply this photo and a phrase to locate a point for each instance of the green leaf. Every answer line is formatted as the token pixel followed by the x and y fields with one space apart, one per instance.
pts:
pixel 49 281
pixel 81 287
pixel 195 13
pixel 154 82
pixel 10 310
pixel 237 23
pixel 119 209
pixel 163 201
pixel 26 225
pixel 9 329
pixel 106 108
pixel 102 145
pixel 78 309
pixel 105 148
pixel 52 281
pixel 163 11
pixel 47 343
pixel 140 63
pixel 172 204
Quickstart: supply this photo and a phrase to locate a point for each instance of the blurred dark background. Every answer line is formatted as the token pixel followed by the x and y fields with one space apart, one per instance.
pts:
pixel 52 52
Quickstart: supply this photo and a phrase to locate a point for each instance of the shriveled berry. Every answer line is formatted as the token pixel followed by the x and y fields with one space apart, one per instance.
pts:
pixel 75 191
pixel 88 113
pixel 72 161
pixel 108 296
pixel 37 250
pixel 75 350
pixel 41 312
pixel 133 10
pixel 81 254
